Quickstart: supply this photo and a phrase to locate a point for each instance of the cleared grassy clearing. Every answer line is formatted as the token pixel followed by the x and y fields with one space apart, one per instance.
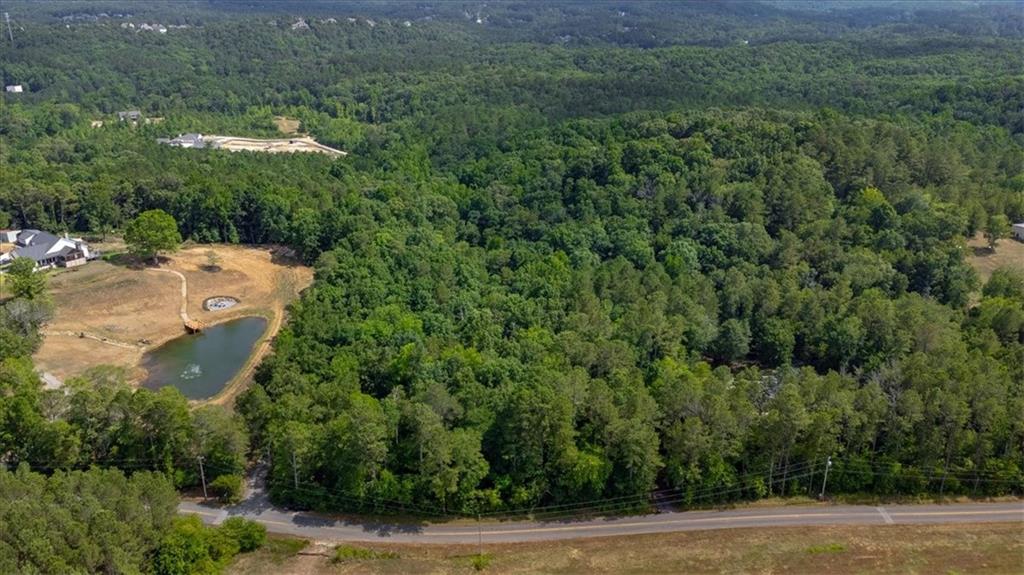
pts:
pixel 286 125
pixel 138 309
pixel 1009 253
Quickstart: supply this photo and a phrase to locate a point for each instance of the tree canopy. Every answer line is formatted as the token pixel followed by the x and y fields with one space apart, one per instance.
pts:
pixel 152 232
pixel 576 253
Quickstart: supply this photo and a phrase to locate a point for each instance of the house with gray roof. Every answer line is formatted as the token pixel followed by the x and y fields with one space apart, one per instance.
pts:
pixel 46 249
pixel 132 116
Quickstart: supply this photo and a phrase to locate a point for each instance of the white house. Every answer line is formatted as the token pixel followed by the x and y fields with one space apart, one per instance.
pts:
pixel 132 116
pixel 1018 231
pixel 46 249
pixel 14 89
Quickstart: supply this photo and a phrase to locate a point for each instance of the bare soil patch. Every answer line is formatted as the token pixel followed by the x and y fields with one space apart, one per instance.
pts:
pixel 279 146
pixel 962 548
pixel 140 307
pixel 1009 253
pixel 286 125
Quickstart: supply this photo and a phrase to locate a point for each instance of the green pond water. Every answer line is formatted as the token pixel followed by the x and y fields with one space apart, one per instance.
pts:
pixel 201 365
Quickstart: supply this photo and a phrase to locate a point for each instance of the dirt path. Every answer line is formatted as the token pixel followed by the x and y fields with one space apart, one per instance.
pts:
pixel 101 339
pixel 184 292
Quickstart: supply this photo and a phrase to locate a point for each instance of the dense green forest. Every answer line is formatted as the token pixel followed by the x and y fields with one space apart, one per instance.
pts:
pixel 100 521
pixel 578 253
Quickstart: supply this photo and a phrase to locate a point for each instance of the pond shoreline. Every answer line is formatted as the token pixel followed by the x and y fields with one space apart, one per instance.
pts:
pixel 202 366
pixel 127 312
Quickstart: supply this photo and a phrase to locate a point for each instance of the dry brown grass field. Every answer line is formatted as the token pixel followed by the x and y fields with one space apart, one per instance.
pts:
pixel 287 126
pixel 926 549
pixel 135 309
pixel 1009 253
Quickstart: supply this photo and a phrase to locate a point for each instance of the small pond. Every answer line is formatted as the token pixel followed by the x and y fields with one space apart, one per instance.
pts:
pixel 201 365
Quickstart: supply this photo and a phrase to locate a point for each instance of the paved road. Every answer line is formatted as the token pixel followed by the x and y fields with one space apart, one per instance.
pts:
pixel 321 528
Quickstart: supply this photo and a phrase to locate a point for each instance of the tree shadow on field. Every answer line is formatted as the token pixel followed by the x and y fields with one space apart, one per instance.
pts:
pixel 127 260
pixel 284 256
pixel 982 251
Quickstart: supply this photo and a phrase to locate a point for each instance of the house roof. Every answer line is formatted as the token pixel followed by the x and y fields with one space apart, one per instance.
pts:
pixel 33 237
pixel 39 245
pixel 34 252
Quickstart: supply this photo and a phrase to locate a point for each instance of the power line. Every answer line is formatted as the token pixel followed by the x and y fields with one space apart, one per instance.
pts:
pixel 704 496
pixel 645 495
pixel 745 482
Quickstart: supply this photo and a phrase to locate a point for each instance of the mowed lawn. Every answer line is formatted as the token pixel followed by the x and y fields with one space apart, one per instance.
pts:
pixel 925 549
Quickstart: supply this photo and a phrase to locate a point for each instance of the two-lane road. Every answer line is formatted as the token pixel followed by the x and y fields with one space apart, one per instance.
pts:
pixel 322 528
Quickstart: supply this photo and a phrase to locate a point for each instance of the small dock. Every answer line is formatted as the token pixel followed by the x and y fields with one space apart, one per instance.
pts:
pixel 193 326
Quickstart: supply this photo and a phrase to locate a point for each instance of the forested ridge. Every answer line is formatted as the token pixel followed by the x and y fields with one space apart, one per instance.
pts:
pixel 555 270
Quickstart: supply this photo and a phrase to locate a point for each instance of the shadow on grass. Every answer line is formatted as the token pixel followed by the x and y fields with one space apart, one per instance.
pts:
pixel 982 251
pixel 284 256
pixel 127 260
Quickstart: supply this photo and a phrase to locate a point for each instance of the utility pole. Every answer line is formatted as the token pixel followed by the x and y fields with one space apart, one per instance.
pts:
pixel 295 470
pixel 828 464
pixel 10 33
pixel 202 475
pixel 479 535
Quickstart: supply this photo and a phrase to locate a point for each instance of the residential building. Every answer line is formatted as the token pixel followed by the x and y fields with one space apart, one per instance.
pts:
pixel 132 116
pixel 46 249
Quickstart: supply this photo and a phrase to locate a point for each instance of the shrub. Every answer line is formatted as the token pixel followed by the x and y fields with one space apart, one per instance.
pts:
pixel 481 561
pixel 249 534
pixel 350 553
pixel 227 488
pixel 190 547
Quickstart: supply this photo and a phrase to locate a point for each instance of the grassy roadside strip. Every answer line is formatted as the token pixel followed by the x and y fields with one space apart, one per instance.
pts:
pixel 961 548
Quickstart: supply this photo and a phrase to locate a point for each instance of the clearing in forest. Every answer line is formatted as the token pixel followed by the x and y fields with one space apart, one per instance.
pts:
pixel 1009 253
pixel 111 314
pixel 296 144
pixel 287 126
